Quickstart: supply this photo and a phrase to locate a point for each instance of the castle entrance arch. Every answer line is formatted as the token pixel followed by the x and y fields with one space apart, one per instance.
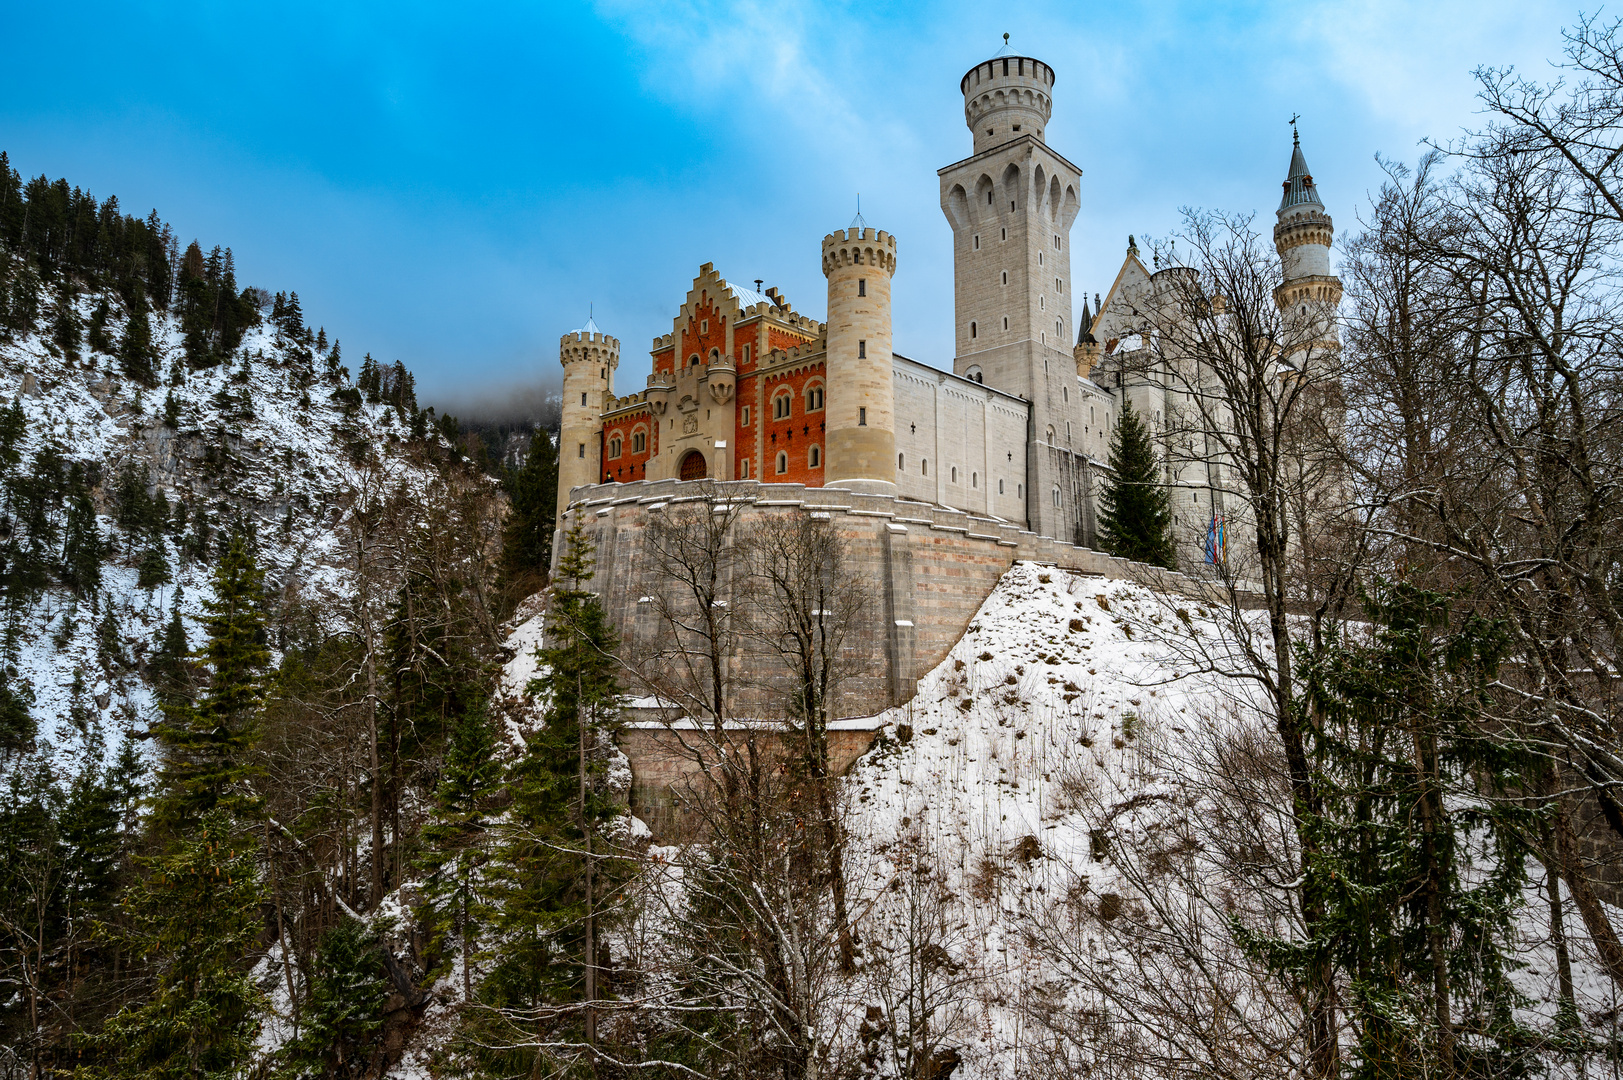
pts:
pixel 693 467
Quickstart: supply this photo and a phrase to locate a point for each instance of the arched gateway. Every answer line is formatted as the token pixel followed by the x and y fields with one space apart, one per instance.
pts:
pixel 693 466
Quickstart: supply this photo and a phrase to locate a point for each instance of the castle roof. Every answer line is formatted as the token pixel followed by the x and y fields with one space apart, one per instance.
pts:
pixel 747 298
pixel 1299 187
pixel 589 328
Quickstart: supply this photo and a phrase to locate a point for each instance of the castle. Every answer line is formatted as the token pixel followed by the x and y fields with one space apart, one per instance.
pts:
pixel 746 388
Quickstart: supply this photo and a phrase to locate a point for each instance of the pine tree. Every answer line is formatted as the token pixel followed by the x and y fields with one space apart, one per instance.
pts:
pixel 171 411
pixel 1135 519
pixel 532 508
pixel 170 674
pixel 552 867
pixel 153 571
pixel 195 918
pixel 341 1018
pixel 135 352
pixel 81 545
pixel 458 834
pixel 17 723
pixel 1420 841
pixel 206 744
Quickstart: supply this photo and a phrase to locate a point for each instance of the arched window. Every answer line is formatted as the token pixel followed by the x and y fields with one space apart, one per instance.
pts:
pixel 783 462
pixel 814 397
pixel 1019 491
pixel 972 331
pixel 925 466
pixel 639 441
pixel 974 479
pixel 1005 277
pixel 780 405
pixel 1000 486
pixel 614 447
pixel 1065 393
pixel 1050 434
pixel 693 361
pixel 1005 322
pixel 814 457
pixel 955 474
pixel 1056 494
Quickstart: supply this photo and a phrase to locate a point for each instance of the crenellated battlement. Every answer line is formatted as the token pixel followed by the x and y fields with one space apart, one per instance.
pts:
pixel 859 247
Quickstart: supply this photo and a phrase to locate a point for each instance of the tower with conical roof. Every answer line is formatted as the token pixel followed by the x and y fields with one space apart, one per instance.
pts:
pixel 1309 292
pixel 589 357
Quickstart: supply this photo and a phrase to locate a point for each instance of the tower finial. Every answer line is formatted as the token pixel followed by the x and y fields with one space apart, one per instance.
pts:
pixel 1296 136
pixel 859 222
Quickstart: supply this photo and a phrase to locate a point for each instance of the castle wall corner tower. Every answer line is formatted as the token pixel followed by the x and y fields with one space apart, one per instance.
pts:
pixel 861 436
pixel 589 358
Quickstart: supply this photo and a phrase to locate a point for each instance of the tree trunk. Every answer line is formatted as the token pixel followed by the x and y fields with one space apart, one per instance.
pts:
pixel 1589 905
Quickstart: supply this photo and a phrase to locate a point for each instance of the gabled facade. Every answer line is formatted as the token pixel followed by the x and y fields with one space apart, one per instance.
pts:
pixel 1016 426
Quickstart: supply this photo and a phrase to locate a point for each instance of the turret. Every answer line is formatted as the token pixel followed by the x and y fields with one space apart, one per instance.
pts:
pixel 1087 348
pixel 1007 97
pixel 589 357
pixel 860 441
pixel 1303 237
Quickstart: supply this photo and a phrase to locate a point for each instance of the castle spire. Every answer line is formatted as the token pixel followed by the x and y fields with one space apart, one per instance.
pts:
pixel 1299 186
pixel 1085 324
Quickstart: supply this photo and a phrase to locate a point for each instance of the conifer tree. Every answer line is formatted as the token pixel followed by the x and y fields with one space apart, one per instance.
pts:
pixel 81 545
pixel 341 1018
pixel 206 744
pixel 135 352
pixel 553 866
pixel 1421 831
pixel 458 834
pixel 532 508
pixel 170 678
pixel 1135 519
pixel 195 918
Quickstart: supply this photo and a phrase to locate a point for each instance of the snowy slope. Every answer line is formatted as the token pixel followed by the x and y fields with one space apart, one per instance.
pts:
pixel 1053 778
pixel 290 453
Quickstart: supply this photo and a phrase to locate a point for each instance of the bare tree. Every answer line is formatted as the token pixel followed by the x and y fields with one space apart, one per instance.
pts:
pixel 1253 409
pixel 1159 978
pixel 805 604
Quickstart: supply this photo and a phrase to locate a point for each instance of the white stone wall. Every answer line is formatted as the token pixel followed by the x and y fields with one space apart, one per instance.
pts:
pixel 971 437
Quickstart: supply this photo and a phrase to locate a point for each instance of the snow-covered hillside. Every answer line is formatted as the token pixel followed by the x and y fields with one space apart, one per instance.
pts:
pixel 262 439
pixel 1046 803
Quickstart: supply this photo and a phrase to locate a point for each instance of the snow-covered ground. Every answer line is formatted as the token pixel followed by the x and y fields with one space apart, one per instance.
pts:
pixel 288 454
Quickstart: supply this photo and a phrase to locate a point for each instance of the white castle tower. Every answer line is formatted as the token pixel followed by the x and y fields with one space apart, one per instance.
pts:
pixel 1309 294
pixel 1011 206
pixel 861 437
pixel 589 357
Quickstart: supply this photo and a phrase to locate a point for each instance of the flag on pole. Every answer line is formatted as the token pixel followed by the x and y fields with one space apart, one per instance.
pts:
pixel 1216 541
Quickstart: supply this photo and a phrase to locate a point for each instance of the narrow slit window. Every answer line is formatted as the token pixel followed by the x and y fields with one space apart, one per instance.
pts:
pixel 972 331
pixel 862 286
pixel 862 350
pixel 901 462
pixel 862 416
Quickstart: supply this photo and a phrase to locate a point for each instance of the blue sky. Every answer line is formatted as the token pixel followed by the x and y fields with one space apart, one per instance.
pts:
pixel 453 185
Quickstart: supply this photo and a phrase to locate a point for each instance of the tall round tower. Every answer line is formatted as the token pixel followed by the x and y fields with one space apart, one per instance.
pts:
pixel 860 442
pixel 1007 97
pixel 1303 237
pixel 589 357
